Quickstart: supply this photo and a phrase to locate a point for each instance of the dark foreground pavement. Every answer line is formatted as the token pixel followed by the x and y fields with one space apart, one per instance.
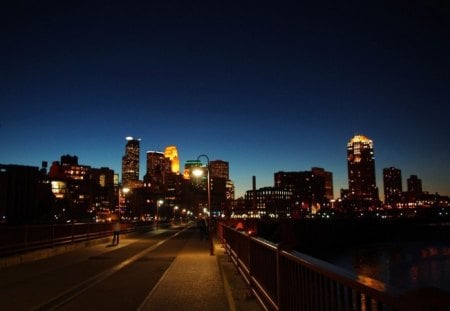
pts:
pixel 198 281
pixel 194 280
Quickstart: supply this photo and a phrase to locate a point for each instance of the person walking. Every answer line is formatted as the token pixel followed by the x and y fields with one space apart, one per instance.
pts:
pixel 116 233
pixel 202 226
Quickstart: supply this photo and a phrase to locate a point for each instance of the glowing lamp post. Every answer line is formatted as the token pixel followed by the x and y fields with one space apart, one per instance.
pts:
pixel 124 193
pixel 175 208
pixel 158 205
pixel 198 172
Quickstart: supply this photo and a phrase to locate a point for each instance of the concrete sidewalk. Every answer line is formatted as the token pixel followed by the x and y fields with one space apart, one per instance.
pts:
pixel 198 281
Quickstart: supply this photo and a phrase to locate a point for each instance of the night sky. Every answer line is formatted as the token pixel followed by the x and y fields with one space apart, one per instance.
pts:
pixel 266 86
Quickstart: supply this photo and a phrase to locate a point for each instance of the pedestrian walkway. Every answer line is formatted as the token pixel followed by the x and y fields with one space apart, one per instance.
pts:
pixel 198 281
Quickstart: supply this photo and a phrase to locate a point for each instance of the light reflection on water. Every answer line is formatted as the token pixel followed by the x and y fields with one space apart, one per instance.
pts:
pixel 404 266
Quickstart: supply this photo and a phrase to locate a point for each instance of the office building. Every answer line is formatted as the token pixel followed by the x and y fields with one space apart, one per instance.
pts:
pixel 270 202
pixel 392 184
pixel 327 179
pixel 219 169
pixel 130 162
pixel 307 186
pixel 171 152
pixel 158 168
pixel 361 172
pixel 414 185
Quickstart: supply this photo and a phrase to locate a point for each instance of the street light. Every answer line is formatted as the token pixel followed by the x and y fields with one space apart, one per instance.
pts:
pixel 124 193
pixel 198 172
pixel 158 205
pixel 175 208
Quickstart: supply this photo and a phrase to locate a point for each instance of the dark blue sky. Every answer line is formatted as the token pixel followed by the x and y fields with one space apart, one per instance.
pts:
pixel 267 86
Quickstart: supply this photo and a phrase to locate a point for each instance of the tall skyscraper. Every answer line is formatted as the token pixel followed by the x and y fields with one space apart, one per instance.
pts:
pixel 171 152
pixel 130 162
pixel 361 172
pixel 392 182
pixel 158 167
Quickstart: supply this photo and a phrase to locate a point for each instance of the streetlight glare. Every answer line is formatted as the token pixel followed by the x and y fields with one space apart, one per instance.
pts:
pixel 197 172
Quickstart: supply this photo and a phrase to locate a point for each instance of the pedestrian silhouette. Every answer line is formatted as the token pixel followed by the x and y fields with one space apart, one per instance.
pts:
pixel 116 233
pixel 202 226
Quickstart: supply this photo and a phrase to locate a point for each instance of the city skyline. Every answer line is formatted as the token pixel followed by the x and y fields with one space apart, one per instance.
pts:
pixel 143 169
pixel 266 88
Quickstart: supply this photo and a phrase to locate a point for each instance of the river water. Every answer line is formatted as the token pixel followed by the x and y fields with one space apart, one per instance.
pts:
pixel 404 265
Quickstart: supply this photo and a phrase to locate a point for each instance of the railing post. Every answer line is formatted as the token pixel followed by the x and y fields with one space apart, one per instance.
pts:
pixel 249 255
pixel 73 229
pixel 278 275
pixel 25 235
pixel 53 234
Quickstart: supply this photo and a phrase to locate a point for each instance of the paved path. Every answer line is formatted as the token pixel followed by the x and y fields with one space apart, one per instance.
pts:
pixel 192 282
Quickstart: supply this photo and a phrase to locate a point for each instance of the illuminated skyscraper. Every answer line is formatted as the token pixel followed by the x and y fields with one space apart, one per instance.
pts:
pixel 361 172
pixel 172 153
pixel 130 162
pixel 392 182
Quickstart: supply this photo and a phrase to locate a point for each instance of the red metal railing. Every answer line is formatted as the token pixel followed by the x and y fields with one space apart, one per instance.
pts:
pixel 289 280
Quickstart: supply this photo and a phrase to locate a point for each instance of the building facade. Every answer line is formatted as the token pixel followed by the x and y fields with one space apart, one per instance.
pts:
pixel 271 202
pixel 392 184
pixel 307 186
pixel 414 187
pixel 363 191
pixel 219 169
pixel 130 162
pixel 158 168
pixel 327 179
pixel 171 152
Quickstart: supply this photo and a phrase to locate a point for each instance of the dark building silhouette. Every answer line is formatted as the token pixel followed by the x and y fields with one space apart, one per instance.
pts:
pixel 158 170
pixel 328 181
pixel 363 192
pixel 414 184
pixel 414 188
pixel 25 195
pixel 392 182
pixel 219 169
pixel 308 187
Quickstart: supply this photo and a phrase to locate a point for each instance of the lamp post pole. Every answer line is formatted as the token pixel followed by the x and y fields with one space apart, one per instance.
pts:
pixel 208 185
pixel 124 194
pixel 158 205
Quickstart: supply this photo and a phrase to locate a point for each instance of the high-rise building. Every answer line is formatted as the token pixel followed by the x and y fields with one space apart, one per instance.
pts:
pixel 130 162
pixel 392 183
pixel 361 172
pixel 171 152
pixel 219 169
pixel 158 167
pixel 414 185
pixel 328 181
